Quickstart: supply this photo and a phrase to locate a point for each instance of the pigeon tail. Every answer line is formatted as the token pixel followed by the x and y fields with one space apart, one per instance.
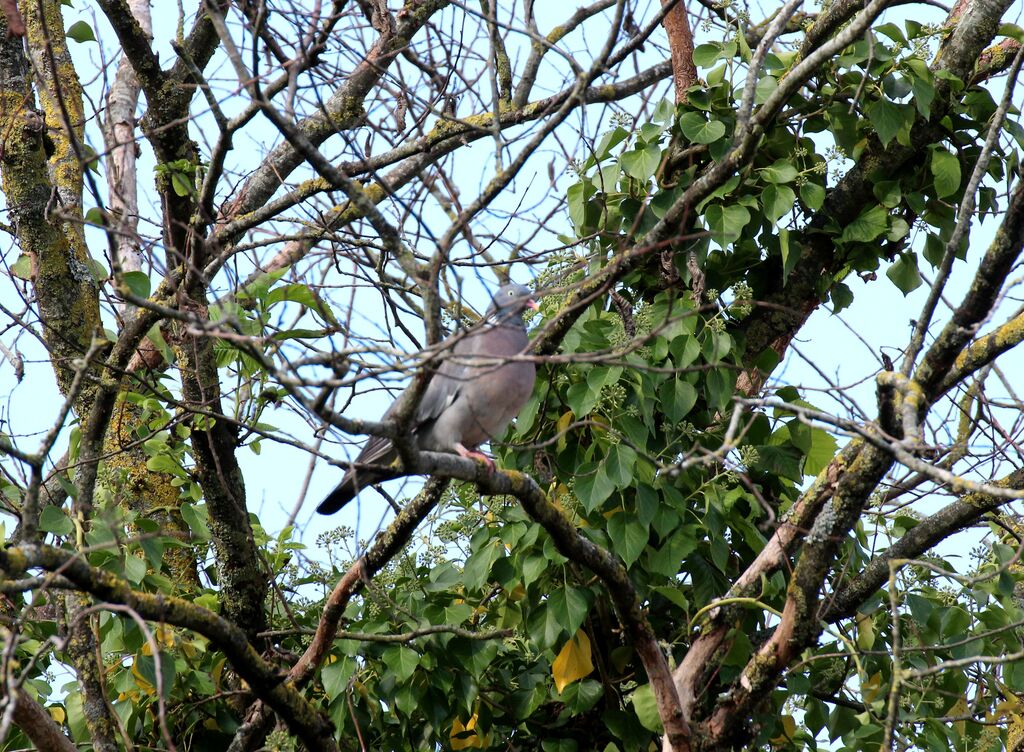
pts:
pixel 351 486
pixel 338 498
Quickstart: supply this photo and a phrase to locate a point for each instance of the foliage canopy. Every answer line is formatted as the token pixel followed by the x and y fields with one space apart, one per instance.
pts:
pixel 685 547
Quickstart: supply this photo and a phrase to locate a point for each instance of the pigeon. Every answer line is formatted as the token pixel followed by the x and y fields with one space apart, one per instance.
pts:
pixel 469 401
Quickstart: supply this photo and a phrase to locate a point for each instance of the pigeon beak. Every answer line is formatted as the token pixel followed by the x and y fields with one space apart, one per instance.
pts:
pixel 532 305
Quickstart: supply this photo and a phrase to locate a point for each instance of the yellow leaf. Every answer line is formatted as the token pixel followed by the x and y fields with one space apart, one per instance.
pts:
pixel 165 636
pixel 218 671
pixel 466 737
pixel 573 661
pixel 960 708
pixel 141 681
pixel 562 428
pixel 57 713
pixel 191 649
pixel 865 631
pixel 788 731
pixel 871 687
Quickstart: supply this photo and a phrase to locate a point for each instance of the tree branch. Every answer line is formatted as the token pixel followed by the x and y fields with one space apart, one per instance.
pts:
pixel 302 719
pixel 38 725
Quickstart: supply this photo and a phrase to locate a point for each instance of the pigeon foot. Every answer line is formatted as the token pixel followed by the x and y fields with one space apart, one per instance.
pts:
pixel 469 454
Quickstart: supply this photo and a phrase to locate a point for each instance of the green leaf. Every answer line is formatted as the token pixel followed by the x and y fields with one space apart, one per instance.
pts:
pixel 777 200
pixel 182 184
pixel 607 142
pixel 196 518
pixel 782 171
pixel 665 112
pixel 1014 676
pixel 921 83
pixel 777 460
pixel 716 346
pixel 726 223
pixel 823 449
pixel 559 745
pixel 887 119
pixel 601 376
pixel 766 85
pixel 934 249
pixel 296 293
pixel 479 564
pixel 621 464
pixel 699 131
pixel 898 229
pixel 145 669
pixel 684 349
pixel 745 53
pixel 22 268
pixel 335 676
pixel 569 606
pixel 154 549
pixel 544 626
pixel 642 163
pixel 841 295
pixel 677 398
pixel 594 487
pixel 665 561
pixel 868 226
pixel 650 132
pixel 719 386
pixel 54 520
pixel 1011 30
pixel 137 283
pixel 955 82
pixel 892 31
pixel 134 569
pixel 402 661
pixel 888 193
pixel 723 190
pixel 813 195
pixel 904 273
pixel 705 55
pixel 946 170
pixel 646 707
pixel 304 296
pixel 163 463
pixel 99 271
pixel 647 503
pixel 259 287
pixel 298 334
pixel 581 398
pixel 629 536
pixel 578 198
pixel 81 32
pixel 789 257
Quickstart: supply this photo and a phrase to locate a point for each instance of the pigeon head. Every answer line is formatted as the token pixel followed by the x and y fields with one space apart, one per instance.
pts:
pixel 510 301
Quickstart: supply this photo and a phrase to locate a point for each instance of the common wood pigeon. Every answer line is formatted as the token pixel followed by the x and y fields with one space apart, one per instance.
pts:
pixel 472 397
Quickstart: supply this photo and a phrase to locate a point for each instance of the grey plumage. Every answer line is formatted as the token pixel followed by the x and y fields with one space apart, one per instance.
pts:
pixel 476 391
